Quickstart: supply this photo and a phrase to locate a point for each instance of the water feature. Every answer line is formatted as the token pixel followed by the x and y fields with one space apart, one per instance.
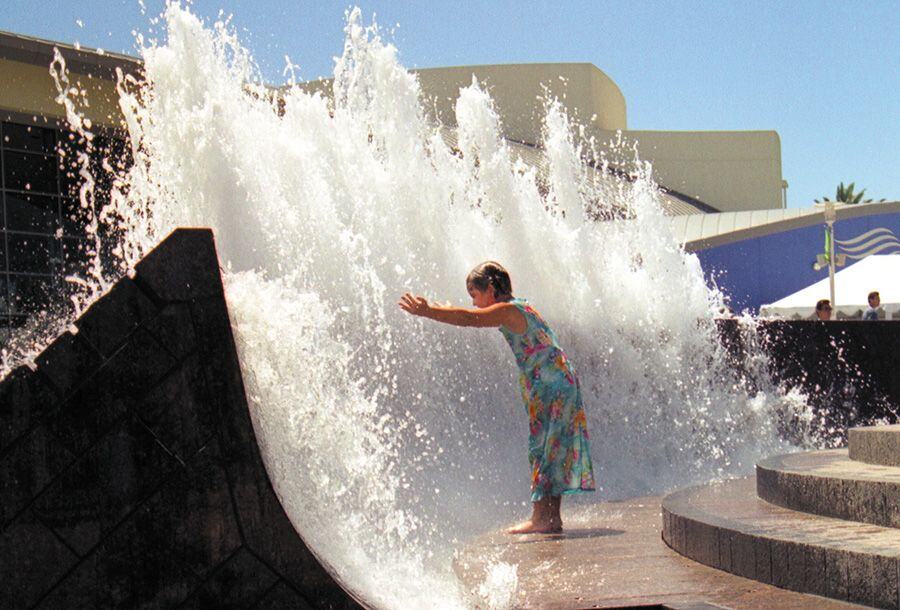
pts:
pixel 391 440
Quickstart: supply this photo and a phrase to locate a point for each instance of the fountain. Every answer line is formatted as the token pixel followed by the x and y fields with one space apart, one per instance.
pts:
pixel 390 443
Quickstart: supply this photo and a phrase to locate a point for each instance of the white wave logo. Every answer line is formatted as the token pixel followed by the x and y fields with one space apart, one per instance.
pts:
pixel 876 241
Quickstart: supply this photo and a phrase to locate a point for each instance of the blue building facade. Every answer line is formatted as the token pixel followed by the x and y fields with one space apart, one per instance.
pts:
pixel 763 269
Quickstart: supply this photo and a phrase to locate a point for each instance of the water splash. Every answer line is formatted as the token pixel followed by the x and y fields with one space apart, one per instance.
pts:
pixel 391 440
pixel 498 590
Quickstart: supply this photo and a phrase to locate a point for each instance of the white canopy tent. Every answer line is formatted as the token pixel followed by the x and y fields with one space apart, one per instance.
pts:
pixel 851 288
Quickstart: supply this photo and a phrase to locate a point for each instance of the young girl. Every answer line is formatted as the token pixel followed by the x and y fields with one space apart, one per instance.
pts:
pixel 558 448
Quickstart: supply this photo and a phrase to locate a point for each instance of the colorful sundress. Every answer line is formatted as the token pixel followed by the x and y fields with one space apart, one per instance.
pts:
pixel 558 446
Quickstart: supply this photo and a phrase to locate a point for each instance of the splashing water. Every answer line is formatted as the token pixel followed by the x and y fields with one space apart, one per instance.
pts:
pixel 391 440
pixel 499 587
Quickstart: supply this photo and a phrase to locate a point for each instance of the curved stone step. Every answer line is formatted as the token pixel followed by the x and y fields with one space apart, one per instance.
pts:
pixel 726 526
pixel 875 445
pixel 829 483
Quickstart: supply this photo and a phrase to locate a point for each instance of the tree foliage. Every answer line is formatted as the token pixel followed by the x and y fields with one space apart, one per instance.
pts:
pixel 847 194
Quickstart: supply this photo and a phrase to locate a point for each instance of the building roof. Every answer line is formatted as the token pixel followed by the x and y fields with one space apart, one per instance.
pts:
pixel 83 60
pixel 698 232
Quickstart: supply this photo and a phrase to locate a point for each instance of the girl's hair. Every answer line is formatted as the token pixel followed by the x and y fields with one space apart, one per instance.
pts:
pixel 490 273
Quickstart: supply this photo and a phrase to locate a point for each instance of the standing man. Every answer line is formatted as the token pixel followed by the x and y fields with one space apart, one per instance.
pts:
pixel 823 310
pixel 874 304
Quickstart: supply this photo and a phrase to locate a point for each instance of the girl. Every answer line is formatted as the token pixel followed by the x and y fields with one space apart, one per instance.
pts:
pixel 558 447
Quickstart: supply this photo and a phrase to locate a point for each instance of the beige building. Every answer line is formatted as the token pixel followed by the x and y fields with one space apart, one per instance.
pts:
pixel 43 234
pixel 43 238
pixel 727 170
pixel 28 91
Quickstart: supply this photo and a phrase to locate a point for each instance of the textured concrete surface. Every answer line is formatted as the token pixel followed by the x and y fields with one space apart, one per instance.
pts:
pixel 130 476
pixel 829 483
pixel 876 444
pixel 725 525
pixel 612 556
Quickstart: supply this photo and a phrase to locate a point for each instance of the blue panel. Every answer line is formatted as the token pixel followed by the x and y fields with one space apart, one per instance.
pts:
pixel 761 270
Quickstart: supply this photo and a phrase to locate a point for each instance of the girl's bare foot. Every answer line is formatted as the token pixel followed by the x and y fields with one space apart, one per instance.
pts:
pixel 535 527
pixel 545 518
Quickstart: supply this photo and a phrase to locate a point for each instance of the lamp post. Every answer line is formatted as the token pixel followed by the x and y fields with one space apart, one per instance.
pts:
pixel 830 217
pixel 829 256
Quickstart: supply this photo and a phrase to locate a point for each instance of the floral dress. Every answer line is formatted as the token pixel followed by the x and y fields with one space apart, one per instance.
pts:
pixel 558 447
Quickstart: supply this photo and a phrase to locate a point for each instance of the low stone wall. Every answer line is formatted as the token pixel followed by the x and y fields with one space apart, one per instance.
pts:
pixel 129 471
pixel 850 369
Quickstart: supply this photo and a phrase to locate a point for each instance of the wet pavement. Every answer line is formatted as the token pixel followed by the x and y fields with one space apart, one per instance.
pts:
pixel 612 556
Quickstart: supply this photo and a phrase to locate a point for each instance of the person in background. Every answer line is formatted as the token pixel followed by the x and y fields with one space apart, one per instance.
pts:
pixel 823 310
pixel 874 303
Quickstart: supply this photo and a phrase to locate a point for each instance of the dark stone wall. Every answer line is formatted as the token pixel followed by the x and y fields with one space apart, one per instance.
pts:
pixel 850 368
pixel 129 471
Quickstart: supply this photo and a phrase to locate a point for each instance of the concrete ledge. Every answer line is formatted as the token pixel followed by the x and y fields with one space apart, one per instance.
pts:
pixel 726 526
pixel 876 445
pixel 829 483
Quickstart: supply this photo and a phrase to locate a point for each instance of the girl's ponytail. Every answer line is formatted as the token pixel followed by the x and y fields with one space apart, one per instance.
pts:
pixel 491 273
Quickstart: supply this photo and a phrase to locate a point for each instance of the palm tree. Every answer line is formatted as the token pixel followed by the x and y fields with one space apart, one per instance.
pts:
pixel 845 194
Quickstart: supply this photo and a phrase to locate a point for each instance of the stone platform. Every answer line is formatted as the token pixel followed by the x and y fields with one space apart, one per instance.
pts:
pixel 727 526
pixel 612 556
pixel 817 522
pixel 130 476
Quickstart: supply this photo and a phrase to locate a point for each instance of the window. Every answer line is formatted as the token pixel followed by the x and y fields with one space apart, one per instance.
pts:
pixel 32 213
pixel 42 225
pixel 28 172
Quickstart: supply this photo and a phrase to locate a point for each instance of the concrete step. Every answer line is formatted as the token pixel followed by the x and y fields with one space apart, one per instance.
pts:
pixel 829 483
pixel 875 445
pixel 726 526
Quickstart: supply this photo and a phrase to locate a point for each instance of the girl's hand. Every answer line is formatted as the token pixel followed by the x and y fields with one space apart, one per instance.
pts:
pixel 416 305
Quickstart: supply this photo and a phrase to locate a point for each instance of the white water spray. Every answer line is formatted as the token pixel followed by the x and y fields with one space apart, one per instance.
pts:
pixel 391 440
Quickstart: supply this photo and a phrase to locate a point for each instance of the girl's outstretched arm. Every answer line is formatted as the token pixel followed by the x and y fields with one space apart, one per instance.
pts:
pixel 498 314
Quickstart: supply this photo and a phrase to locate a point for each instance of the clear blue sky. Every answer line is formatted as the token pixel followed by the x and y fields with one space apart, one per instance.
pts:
pixel 824 75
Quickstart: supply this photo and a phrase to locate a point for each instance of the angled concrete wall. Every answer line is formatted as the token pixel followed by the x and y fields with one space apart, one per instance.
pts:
pixel 129 471
pixel 518 91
